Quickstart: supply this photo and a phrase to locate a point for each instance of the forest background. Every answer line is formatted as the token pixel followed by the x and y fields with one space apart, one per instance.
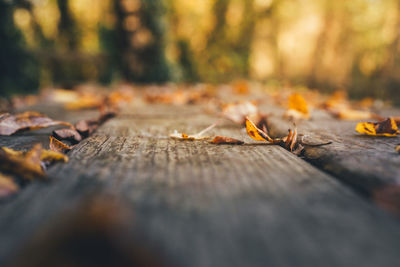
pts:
pixel 317 44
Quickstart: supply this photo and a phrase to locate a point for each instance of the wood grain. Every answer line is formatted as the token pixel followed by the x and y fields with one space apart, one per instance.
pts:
pixel 190 203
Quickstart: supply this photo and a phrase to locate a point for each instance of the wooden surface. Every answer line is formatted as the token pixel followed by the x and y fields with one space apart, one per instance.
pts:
pixel 369 164
pixel 131 195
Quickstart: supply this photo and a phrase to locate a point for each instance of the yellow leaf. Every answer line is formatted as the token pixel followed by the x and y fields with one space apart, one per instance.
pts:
pixel 256 133
pixel 52 156
pixel 25 164
pixel 297 102
pixel 387 127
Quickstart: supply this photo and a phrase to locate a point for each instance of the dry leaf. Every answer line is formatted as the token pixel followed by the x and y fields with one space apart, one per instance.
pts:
pixel 68 134
pixel 198 136
pixel 398 148
pixel 255 133
pixel 237 112
pixel 58 146
pixel 219 140
pixel 49 156
pixel 387 127
pixel 86 127
pixel 291 142
pixel 7 186
pixel 298 108
pixel 30 120
pixel 25 164
pixel 28 164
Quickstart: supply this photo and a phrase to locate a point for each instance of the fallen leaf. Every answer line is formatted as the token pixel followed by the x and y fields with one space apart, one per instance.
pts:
pixel 219 140
pixel 255 133
pixel 198 136
pixel 58 146
pixel 398 148
pixel 25 164
pixel 68 134
pixel 30 120
pixel 387 127
pixel 7 186
pixel 291 142
pixel 298 108
pixel 49 156
pixel 86 127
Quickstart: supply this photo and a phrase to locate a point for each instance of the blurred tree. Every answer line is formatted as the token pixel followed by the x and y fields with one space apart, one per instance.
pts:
pixel 67 30
pixel 140 40
pixel 18 69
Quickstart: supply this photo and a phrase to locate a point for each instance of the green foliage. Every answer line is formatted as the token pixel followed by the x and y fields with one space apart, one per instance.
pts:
pixel 19 72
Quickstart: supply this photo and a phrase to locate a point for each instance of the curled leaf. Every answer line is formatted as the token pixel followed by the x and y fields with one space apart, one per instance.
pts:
pixel 387 127
pixel 30 120
pixel 58 146
pixel 219 140
pixel 255 133
pixel 7 186
pixel 68 134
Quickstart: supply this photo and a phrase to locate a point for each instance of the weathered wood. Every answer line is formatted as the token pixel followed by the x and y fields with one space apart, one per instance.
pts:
pixel 369 164
pixel 191 203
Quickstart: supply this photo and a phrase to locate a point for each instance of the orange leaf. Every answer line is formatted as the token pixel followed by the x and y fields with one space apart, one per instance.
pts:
pixel 58 146
pixel 387 127
pixel 298 108
pixel 256 133
pixel 219 140
pixel 25 164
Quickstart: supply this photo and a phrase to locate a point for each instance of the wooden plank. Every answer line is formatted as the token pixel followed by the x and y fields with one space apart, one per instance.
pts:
pixel 368 164
pixel 180 203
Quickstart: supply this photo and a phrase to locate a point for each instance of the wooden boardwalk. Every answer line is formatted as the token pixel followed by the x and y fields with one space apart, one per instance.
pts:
pixel 132 196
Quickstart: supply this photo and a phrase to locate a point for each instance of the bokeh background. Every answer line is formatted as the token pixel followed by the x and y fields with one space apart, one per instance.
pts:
pixel 323 44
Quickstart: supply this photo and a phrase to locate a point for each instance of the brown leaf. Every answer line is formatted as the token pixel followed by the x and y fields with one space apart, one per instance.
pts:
pixel 86 127
pixel 7 186
pixel 219 140
pixel 58 146
pixel 68 134
pixel 398 148
pixel 30 120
